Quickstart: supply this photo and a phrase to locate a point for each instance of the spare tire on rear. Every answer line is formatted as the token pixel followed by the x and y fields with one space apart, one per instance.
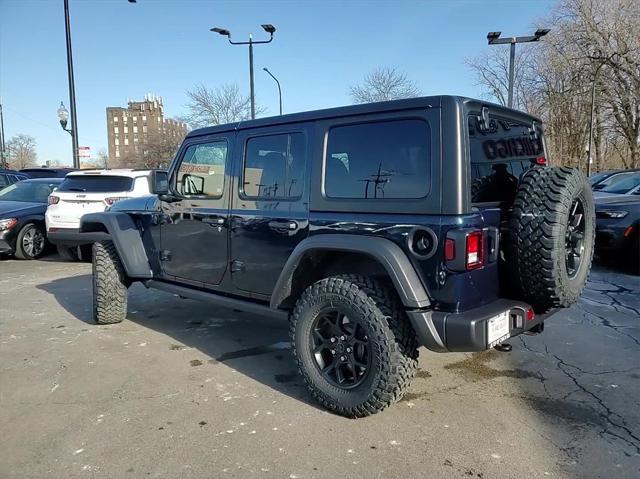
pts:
pixel 551 237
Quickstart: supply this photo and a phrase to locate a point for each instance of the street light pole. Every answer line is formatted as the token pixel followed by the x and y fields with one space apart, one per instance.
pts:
pixel 279 89
pixel 494 39
pixel 72 89
pixel 251 87
pixel 270 29
pixel 3 161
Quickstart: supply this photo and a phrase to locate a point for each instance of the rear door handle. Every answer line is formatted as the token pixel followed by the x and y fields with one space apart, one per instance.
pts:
pixel 289 225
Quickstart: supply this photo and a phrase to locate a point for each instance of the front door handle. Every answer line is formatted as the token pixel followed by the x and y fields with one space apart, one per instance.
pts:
pixel 214 221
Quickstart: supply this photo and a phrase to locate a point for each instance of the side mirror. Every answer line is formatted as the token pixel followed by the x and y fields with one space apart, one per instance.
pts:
pixel 159 182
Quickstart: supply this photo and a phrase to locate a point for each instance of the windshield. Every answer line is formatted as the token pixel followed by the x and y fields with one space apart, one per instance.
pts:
pixel 593 179
pixel 27 191
pixel 96 183
pixel 623 186
pixel 612 179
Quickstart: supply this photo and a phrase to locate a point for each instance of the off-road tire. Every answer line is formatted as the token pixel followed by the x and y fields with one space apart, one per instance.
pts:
pixel 67 253
pixel 392 339
pixel 20 251
pixel 109 285
pixel 538 226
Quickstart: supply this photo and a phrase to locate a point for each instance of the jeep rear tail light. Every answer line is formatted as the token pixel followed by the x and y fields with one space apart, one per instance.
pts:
pixel 474 250
pixel 541 160
pixel 53 200
pixel 449 249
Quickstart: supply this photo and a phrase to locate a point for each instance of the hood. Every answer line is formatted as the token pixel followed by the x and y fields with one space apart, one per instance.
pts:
pixel 142 203
pixel 20 208
pixel 617 200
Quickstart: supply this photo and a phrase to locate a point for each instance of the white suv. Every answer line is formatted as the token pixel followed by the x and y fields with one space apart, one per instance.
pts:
pixel 88 191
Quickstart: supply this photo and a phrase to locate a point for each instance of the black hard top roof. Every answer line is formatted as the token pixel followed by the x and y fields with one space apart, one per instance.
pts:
pixel 350 110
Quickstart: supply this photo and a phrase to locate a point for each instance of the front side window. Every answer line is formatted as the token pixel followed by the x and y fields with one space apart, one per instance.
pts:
pixel 201 172
pixel 274 166
pixel 381 160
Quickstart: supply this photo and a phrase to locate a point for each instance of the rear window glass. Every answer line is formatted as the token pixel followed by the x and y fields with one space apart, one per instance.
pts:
pixel 96 184
pixel 377 161
pixel 499 155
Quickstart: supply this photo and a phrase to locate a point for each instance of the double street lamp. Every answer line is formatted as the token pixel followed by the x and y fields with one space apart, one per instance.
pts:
pixel 270 29
pixel 494 39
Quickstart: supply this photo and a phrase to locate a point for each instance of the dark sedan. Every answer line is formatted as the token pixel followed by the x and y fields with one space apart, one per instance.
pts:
pixel 618 229
pixel 22 208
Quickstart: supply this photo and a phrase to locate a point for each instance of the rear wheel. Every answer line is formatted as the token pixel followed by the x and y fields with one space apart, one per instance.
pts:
pixel 31 242
pixel 109 285
pixel 353 344
pixel 67 253
pixel 551 237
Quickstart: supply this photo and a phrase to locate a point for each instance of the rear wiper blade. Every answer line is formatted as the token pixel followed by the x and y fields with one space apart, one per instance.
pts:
pixel 77 189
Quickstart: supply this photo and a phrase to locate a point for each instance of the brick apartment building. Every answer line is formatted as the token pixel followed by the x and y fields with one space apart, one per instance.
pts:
pixel 131 130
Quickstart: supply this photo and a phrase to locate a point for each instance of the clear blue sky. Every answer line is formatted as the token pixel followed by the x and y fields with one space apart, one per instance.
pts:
pixel 124 50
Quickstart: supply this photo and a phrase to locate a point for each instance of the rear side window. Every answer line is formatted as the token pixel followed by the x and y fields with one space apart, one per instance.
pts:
pixel 274 166
pixel 4 181
pixel 96 184
pixel 377 161
pixel 499 155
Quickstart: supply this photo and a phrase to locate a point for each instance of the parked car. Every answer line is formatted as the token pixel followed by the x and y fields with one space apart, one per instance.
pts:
pixel 359 225
pixel 47 172
pixel 22 208
pixel 9 177
pixel 618 229
pixel 603 180
pixel 629 185
pixel 88 191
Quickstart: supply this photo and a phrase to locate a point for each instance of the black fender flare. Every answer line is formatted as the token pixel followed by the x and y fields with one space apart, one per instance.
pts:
pixel 408 285
pixel 124 234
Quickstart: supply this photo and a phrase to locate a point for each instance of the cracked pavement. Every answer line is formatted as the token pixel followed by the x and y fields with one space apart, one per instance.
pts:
pixel 186 389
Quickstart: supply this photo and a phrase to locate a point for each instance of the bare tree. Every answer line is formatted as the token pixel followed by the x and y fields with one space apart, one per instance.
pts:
pixel 22 151
pixel 156 152
pixel 222 105
pixel 554 82
pixel 382 84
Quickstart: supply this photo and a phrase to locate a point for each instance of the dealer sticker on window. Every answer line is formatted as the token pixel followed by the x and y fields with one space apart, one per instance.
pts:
pixel 498 329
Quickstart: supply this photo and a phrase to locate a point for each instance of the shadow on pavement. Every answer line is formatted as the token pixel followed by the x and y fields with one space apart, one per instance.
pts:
pixel 255 346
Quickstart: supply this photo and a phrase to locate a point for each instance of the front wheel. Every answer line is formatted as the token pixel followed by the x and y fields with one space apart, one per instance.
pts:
pixel 354 346
pixel 109 285
pixel 31 242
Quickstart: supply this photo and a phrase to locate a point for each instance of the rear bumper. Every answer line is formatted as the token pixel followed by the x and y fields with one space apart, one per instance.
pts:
pixel 467 331
pixel 73 236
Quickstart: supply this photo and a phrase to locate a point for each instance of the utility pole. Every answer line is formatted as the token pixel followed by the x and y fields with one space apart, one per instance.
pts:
pixel 270 29
pixel 72 89
pixel 494 39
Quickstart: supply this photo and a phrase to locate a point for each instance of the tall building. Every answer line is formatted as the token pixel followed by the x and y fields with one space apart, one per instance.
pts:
pixel 137 131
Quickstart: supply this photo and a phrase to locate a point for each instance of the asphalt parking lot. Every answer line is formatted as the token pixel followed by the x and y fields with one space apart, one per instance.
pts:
pixel 185 389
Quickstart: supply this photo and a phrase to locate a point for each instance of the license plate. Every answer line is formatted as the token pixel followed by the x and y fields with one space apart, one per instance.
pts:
pixel 498 329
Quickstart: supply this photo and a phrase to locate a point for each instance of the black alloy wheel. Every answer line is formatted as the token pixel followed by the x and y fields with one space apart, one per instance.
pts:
pixel 574 238
pixel 341 349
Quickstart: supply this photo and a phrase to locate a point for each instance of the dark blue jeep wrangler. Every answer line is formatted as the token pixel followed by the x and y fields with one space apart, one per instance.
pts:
pixel 375 228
